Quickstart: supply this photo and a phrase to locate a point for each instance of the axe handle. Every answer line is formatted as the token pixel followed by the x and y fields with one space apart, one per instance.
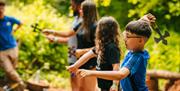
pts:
pixel 156 29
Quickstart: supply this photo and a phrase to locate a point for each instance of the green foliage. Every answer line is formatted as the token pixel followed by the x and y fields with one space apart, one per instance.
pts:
pixel 117 8
pixel 62 6
pixel 164 57
pixel 37 53
pixel 144 6
pixel 35 49
pixel 167 13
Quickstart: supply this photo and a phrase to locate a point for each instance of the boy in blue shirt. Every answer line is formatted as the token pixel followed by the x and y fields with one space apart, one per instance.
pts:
pixel 132 73
pixel 8 46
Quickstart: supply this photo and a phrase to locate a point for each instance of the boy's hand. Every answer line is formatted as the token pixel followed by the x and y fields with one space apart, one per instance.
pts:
pixel 149 18
pixel 72 68
pixel 47 31
pixel 84 73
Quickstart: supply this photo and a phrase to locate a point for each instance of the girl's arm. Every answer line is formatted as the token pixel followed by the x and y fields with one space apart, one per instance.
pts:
pixel 114 87
pixel 82 60
pixel 115 66
pixel 80 52
pixel 109 75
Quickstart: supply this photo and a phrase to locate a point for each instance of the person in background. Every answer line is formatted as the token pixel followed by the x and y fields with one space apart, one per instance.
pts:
pixel 8 47
pixel 85 34
pixel 132 73
pixel 107 50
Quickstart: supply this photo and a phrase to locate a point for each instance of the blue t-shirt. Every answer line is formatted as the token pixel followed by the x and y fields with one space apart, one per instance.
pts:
pixel 136 62
pixel 7 40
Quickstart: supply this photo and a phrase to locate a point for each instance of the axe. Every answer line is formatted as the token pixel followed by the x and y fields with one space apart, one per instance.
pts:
pixel 36 28
pixel 161 36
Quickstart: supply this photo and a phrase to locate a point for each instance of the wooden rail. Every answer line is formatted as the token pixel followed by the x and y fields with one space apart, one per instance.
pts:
pixel 154 75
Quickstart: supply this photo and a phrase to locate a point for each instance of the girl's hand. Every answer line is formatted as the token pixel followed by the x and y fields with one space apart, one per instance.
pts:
pixel 72 68
pixel 114 88
pixel 47 31
pixel 84 73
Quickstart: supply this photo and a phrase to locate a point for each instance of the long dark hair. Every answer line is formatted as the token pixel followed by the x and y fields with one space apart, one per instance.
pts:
pixel 107 32
pixel 90 17
pixel 77 3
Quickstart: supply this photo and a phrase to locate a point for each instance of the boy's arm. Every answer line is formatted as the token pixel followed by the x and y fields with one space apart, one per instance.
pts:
pixel 149 18
pixel 82 60
pixel 18 26
pixel 129 68
pixel 109 75
pixel 17 22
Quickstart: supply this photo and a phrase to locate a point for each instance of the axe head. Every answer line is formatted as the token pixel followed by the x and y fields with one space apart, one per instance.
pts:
pixel 164 42
pixel 166 34
pixel 157 40
pixel 35 27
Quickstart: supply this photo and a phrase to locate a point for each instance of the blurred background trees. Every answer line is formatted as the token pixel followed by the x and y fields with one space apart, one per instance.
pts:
pixel 36 52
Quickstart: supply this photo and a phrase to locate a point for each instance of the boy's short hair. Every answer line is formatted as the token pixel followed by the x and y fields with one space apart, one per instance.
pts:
pixel 78 1
pixel 2 3
pixel 139 27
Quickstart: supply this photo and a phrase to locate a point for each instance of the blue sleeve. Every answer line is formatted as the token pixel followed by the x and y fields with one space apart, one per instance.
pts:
pixel 15 21
pixel 133 63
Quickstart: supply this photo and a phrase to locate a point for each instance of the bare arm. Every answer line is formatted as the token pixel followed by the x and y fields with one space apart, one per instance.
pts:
pixel 80 52
pixel 115 82
pixel 64 34
pixel 62 39
pixel 82 60
pixel 59 33
pixel 90 54
pixel 18 26
pixel 54 39
pixel 109 75
pixel 115 66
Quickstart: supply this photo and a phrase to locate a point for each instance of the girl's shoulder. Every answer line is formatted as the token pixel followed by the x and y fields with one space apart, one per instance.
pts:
pixel 111 46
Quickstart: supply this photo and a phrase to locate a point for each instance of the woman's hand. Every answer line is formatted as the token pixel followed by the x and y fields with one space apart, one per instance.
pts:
pixel 51 38
pixel 47 31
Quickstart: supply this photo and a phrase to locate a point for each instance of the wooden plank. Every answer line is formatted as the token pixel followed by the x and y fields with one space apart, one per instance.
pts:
pixel 163 74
